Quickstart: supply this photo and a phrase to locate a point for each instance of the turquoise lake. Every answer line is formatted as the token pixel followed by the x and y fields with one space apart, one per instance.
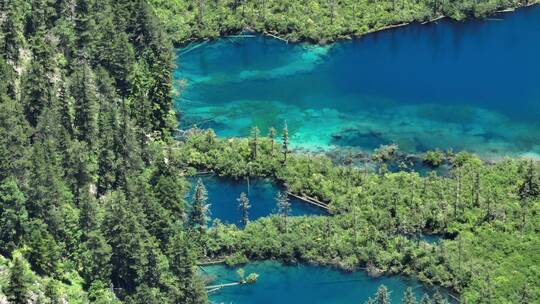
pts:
pixel 471 85
pixel 286 284
pixel 224 192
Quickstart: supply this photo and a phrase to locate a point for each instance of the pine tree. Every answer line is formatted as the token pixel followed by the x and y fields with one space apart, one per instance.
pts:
pixel 158 221
pixel 14 134
pixel 12 28
pixel 152 268
pixel 83 90
pixel 170 191
pixel 254 142
pixel 66 108
pixel 42 13
pixel 243 205
pixel 86 29
pixel 409 297
pixel 382 296
pixel 13 216
pixel 285 143
pixel 438 298
pixel 126 235
pixel 283 204
pixel 108 155
pixel 113 50
pixel 284 207
pixel 95 258
pixel 198 217
pixel 182 255
pixel 89 219
pixel 425 299
pixel 272 137
pixel 138 101
pixel 20 280
pixel 529 189
pixel 147 295
pixel 44 253
pixel 524 294
pixel 53 293
pixel 38 91
pixel 81 167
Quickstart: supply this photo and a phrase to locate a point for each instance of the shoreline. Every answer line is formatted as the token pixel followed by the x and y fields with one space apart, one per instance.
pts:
pixel 452 293
pixel 248 31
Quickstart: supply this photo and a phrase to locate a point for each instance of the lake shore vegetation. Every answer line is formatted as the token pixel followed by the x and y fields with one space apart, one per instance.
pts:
pixel 312 20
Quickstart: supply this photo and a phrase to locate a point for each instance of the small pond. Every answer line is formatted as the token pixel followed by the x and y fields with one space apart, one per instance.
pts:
pixel 224 192
pixel 293 284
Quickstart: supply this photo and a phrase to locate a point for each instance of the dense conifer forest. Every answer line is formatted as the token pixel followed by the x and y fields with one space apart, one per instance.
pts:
pixel 90 208
pixel 92 169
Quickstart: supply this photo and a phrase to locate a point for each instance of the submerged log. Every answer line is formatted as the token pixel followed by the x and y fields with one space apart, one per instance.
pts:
pixel 310 200
pixel 434 19
pixel 240 36
pixel 219 286
pixel 276 37
pixel 194 47
pixel 388 27
pixel 211 262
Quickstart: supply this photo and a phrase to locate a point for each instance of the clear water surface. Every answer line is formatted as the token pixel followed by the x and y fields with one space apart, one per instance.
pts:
pixel 471 85
pixel 292 284
pixel 224 192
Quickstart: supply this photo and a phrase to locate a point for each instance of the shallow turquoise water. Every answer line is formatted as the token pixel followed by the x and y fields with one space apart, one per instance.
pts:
pixel 432 238
pixel 224 192
pixel 469 85
pixel 280 284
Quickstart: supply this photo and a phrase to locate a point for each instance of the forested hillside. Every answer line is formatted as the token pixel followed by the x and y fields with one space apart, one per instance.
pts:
pixel 92 186
pixel 314 20
pixel 88 201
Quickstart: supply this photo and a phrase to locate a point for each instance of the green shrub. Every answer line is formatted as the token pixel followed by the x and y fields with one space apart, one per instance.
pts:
pixel 434 158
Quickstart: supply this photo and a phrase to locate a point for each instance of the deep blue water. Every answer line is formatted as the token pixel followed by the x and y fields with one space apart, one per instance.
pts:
pixel 224 192
pixel 281 284
pixel 471 85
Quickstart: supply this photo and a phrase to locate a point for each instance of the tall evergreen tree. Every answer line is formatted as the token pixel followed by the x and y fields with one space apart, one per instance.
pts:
pixel 438 298
pixel 14 138
pixel 243 205
pixel 198 216
pixel 20 281
pixel 254 142
pixel 272 136
pixel 158 220
pixel 409 297
pixel 170 191
pixel 382 296
pixel 13 28
pixel 13 216
pixel 283 207
pixel 425 299
pixel 182 255
pixel 285 142
pixel 126 236
pixel 38 90
pixel 44 254
pixel 83 90
pixel 529 189
pixel 86 29
pixel 95 258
